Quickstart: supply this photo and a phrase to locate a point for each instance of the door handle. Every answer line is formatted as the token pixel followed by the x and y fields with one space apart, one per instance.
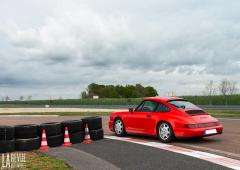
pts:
pixel 149 116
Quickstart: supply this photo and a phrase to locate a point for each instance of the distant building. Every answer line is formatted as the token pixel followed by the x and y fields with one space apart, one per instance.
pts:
pixel 95 97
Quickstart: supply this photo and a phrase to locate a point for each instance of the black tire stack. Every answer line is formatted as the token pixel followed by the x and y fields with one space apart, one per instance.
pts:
pixel 53 133
pixel 26 137
pixel 95 127
pixel 75 130
pixel 7 142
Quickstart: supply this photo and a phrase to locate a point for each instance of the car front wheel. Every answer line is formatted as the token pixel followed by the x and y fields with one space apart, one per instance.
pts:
pixel 119 128
pixel 165 132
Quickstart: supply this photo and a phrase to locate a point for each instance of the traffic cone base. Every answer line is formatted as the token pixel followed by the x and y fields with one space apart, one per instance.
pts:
pixel 66 138
pixel 67 144
pixel 44 144
pixel 87 138
pixel 87 141
pixel 44 147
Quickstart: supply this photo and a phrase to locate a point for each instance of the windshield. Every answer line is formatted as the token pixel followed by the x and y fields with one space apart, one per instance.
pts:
pixel 183 104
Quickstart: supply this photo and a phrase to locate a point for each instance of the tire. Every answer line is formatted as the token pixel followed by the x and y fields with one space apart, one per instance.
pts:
pixel 27 144
pixel 165 132
pixel 6 133
pixel 52 129
pixel 119 128
pixel 26 131
pixel 73 126
pixel 96 134
pixel 94 123
pixel 7 146
pixel 54 141
pixel 77 137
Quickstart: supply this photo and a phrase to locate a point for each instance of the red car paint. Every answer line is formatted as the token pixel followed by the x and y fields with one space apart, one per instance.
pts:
pixel 183 124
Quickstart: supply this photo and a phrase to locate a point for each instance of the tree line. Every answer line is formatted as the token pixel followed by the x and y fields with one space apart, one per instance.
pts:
pixel 118 91
pixel 224 88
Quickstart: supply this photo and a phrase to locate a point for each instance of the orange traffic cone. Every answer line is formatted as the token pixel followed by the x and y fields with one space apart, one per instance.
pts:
pixel 44 144
pixel 66 138
pixel 87 138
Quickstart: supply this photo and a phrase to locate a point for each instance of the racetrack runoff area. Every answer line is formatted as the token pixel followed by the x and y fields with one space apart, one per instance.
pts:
pixel 129 153
pixel 226 145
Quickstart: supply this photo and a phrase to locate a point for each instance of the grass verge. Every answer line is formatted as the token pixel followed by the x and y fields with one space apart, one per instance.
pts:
pixel 36 161
pixel 224 113
pixel 215 113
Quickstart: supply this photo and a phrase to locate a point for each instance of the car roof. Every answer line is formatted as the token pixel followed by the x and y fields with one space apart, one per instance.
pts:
pixel 165 99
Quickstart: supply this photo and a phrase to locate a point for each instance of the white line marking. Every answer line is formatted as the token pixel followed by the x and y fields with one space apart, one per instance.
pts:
pixel 213 158
pixel 212 150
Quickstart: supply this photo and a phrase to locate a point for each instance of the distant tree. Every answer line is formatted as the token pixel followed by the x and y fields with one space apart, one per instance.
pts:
pixel 150 91
pixel 223 87
pixel 29 97
pixel 7 98
pixel 84 95
pixel 119 91
pixel 210 90
pixel 232 88
pixel 227 87
pixel 140 90
pixel 21 98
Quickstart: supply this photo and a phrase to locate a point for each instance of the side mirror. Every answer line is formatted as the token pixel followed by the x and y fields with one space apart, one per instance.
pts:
pixel 131 110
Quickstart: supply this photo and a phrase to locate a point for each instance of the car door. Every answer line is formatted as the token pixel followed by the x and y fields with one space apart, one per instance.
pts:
pixel 140 121
pixel 160 114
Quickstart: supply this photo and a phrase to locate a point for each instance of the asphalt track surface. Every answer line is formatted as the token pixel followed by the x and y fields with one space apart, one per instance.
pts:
pixel 111 154
pixel 226 144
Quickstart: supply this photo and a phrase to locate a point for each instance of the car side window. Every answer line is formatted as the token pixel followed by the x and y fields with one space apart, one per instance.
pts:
pixel 162 108
pixel 148 106
pixel 139 108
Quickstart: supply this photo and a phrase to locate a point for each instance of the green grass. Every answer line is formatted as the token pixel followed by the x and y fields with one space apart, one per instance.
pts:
pixel 200 100
pixel 105 101
pixel 214 100
pixel 224 113
pixel 215 113
pixel 37 161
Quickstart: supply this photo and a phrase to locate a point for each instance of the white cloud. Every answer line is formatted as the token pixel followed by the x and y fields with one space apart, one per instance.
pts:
pixel 170 45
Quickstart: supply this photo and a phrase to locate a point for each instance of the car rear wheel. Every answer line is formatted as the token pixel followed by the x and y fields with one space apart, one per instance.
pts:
pixel 119 128
pixel 165 132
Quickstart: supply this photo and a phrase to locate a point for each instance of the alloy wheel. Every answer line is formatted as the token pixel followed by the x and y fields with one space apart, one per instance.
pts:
pixel 118 126
pixel 164 131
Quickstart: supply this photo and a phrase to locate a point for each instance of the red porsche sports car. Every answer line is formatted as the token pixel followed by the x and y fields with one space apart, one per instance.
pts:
pixel 166 118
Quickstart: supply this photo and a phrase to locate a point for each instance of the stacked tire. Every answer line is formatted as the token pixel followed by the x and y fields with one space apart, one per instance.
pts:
pixel 26 137
pixel 95 127
pixel 53 133
pixel 75 130
pixel 7 142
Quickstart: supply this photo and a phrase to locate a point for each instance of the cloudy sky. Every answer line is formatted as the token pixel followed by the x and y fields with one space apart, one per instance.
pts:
pixel 52 48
